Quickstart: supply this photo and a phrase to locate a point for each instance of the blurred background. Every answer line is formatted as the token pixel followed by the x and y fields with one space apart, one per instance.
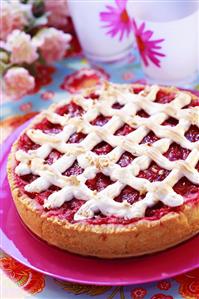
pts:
pixel 49 48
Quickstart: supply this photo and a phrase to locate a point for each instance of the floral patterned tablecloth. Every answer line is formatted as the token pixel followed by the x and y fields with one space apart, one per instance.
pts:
pixel 53 84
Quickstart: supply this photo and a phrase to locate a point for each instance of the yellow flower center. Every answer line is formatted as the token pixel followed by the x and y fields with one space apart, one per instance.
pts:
pixel 124 17
pixel 140 43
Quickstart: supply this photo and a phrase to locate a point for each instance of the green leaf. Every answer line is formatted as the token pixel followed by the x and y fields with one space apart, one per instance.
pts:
pixel 24 1
pixel 79 289
pixel 38 8
pixel 3 67
pixel 197 87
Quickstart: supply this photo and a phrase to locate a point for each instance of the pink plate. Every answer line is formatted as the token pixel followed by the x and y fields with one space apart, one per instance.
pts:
pixel 22 245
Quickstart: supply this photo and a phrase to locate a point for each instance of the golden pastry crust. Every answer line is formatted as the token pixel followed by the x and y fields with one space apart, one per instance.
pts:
pixel 107 240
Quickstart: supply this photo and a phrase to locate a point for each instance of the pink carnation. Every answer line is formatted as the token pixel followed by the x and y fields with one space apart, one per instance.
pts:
pixel 58 12
pixel 18 82
pixel 52 43
pixel 13 16
pixel 5 21
pixel 21 47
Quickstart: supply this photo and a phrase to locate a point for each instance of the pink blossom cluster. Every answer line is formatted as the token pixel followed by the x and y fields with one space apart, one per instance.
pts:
pixel 52 43
pixel 18 82
pixel 26 40
pixel 57 12
pixel 13 16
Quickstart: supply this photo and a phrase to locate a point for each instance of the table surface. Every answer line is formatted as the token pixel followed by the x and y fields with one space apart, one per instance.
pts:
pixel 53 84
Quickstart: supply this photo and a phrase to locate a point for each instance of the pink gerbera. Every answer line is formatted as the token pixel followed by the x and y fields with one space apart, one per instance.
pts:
pixel 117 19
pixel 148 48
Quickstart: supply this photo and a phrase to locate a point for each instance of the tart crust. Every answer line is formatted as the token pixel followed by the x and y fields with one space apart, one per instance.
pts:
pixel 106 240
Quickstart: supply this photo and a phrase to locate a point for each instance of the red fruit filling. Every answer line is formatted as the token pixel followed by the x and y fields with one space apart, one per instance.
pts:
pixel 125 159
pixel 117 106
pixel 149 138
pixel 193 103
pixel 53 156
pixel 26 143
pixel 48 128
pixel 71 109
pixel 154 173
pixel 164 97
pixel 137 90
pixel 93 96
pixel 99 182
pixel 176 152
pixel 129 194
pixel 102 148
pixel 100 121
pixel 170 122
pixel 40 197
pixel 75 169
pixel 67 210
pixel 76 138
pixel 192 134
pixel 124 130
pixel 142 113
pixel 185 188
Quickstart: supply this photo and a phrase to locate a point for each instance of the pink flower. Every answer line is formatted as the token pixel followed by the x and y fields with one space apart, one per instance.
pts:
pixel 128 76
pixel 52 43
pixel 84 78
pixel 58 12
pixel 18 82
pixel 138 293
pixel 26 107
pixel 117 19
pixel 21 47
pixel 5 20
pixel 13 16
pixel 47 95
pixel 149 49
pixel 164 285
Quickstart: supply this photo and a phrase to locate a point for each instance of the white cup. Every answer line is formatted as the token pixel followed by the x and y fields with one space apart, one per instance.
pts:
pixel 97 44
pixel 174 25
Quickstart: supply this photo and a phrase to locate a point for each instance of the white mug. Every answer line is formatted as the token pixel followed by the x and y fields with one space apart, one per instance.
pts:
pixel 103 28
pixel 167 34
